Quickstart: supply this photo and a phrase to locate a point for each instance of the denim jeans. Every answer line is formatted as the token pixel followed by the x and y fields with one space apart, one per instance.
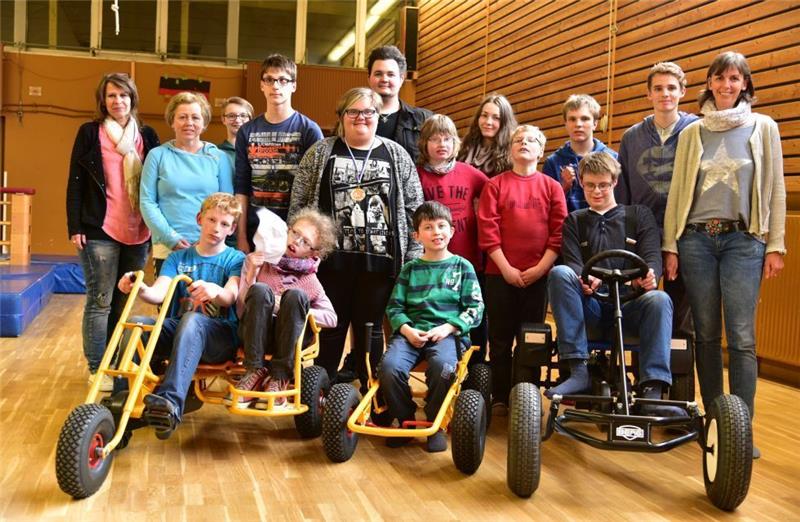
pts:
pixel 398 361
pixel 649 316
pixel 262 332
pixel 186 341
pixel 723 276
pixel 104 262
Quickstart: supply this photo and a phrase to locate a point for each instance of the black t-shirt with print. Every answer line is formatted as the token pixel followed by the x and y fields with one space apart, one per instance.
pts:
pixel 363 212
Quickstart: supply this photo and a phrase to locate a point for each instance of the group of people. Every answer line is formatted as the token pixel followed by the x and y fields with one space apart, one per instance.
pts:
pixel 395 216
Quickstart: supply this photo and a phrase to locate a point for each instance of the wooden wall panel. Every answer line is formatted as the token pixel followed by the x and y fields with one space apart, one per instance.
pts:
pixel 538 52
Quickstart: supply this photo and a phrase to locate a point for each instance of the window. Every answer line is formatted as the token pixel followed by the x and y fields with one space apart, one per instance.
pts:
pixel 205 26
pixel 66 27
pixel 137 26
pixel 266 28
pixel 328 23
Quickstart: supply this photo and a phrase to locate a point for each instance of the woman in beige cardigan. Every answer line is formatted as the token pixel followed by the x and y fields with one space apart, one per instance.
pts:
pixel 724 224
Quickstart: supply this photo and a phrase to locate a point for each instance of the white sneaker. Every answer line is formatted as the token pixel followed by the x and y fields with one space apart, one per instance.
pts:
pixel 106 385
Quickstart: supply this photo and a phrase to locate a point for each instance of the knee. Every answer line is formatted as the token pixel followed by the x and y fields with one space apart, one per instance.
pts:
pixel 391 369
pixel 658 301
pixel 191 322
pixel 101 299
pixel 294 297
pixel 560 276
pixel 260 294
pixel 440 368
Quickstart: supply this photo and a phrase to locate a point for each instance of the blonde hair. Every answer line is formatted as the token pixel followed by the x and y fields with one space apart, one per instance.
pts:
pixel 576 101
pixel 538 135
pixel 324 225
pixel 352 96
pixel 599 163
pixel 186 98
pixel 223 201
pixel 437 124
pixel 666 68
pixel 238 100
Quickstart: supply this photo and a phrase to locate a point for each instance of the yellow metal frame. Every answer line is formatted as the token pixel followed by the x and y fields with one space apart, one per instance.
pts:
pixel 357 422
pixel 142 381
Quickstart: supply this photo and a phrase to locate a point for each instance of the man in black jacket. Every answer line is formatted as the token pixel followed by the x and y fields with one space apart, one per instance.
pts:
pixel 399 121
pixel 606 225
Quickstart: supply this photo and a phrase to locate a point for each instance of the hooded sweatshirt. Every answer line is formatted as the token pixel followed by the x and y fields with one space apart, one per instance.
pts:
pixel 564 157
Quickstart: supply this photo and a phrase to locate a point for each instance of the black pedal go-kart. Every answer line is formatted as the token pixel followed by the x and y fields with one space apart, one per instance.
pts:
pixel 608 416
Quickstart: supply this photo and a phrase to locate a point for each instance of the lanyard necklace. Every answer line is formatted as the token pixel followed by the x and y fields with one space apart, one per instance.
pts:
pixel 358 194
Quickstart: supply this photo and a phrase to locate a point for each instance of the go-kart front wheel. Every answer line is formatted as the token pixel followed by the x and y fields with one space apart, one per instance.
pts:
pixel 80 468
pixel 314 387
pixel 523 466
pixel 339 442
pixel 728 455
pixel 469 431
pixel 479 378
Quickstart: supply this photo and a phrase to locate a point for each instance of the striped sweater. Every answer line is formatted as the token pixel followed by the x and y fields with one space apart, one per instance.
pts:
pixel 430 293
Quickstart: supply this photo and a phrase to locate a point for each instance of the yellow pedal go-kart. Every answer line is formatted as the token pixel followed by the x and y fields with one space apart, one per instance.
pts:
pixel 464 413
pixel 94 429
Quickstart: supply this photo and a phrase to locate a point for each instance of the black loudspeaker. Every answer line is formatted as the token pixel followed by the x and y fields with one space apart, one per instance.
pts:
pixel 409 35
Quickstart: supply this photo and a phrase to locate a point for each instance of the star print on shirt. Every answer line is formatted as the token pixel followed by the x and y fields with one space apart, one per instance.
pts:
pixel 722 169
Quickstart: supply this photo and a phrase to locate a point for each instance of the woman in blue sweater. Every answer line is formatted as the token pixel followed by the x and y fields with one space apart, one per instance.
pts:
pixel 179 175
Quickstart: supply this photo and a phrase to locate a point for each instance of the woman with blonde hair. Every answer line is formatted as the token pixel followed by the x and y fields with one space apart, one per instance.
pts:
pixel 180 174
pixel 344 176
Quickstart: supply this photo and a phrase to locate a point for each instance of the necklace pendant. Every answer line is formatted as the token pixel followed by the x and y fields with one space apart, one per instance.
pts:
pixel 358 194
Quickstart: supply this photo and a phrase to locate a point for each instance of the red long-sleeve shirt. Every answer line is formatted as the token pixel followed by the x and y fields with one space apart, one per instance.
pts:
pixel 523 216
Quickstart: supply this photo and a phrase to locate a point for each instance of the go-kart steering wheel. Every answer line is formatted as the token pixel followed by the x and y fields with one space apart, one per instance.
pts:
pixel 609 275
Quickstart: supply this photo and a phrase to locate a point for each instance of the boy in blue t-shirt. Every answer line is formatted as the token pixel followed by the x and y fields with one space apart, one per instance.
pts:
pixel 201 321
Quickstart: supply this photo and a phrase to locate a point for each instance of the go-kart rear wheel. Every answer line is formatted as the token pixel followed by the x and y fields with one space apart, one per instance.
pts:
pixel 468 429
pixel 479 378
pixel 80 468
pixel 314 387
pixel 339 442
pixel 523 466
pixel 728 457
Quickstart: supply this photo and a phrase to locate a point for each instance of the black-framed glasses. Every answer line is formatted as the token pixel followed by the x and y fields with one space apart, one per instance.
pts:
pixel 233 116
pixel 283 81
pixel 368 114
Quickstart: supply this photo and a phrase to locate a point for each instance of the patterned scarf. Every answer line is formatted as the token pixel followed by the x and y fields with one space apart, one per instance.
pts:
pixel 442 169
pixel 125 141
pixel 298 266
pixel 726 119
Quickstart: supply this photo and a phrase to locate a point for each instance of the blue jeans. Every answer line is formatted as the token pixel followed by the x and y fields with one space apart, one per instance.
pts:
pixel 649 316
pixel 397 363
pixel 723 275
pixel 104 262
pixel 186 341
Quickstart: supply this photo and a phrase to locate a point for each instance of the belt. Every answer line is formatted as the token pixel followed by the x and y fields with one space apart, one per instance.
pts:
pixel 715 227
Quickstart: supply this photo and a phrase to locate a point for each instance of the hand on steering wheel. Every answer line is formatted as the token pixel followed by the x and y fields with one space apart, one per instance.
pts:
pixel 609 275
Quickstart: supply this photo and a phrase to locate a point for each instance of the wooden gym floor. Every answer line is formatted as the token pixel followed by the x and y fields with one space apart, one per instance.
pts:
pixel 221 467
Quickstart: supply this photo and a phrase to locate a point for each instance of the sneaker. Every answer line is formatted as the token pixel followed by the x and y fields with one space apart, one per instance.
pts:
pixel 161 414
pixel 437 442
pixel 252 380
pixel 106 384
pixel 499 409
pixel 274 385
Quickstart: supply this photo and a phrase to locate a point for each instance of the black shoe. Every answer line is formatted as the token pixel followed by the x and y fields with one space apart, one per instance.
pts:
pixel 397 442
pixel 437 442
pixel 345 376
pixel 161 414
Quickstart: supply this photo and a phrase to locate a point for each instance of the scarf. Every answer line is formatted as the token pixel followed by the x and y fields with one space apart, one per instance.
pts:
pixel 727 119
pixel 298 266
pixel 444 169
pixel 125 141
pixel 481 158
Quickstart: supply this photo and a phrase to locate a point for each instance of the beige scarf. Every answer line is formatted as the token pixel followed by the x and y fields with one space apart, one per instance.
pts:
pixel 125 141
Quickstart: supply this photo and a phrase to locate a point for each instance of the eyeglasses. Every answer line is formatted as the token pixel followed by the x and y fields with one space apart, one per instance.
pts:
pixel 233 116
pixel 520 141
pixel 368 114
pixel 439 140
pixel 282 81
pixel 299 240
pixel 591 187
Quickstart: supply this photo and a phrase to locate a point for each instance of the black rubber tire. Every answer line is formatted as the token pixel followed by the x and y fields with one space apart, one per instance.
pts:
pixel 682 388
pixel 728 458
pixel 524 465
pixel 80 474
pixel 479 378
pixel 468 429
pixel 314 388
pixel 339 443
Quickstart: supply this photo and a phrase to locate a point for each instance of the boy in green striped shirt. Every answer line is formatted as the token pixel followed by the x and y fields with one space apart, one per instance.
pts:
pixel 436 301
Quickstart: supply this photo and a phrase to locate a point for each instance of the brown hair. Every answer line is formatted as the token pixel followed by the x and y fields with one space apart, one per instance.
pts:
pixel 324 225
pixel 436 124
pixel 225 202
pixel 279 61
pixel 387 52
pixel 723 62
pixel 122 81
pixel 351 97
pixel 576 101
pixel 599 162
pixel 238 101
pixel 501 144
pixel 185 98
pixel 430 211
pixel 666 68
